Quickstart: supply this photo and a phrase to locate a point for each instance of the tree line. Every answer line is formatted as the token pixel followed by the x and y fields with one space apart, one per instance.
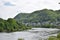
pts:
pixel 11 25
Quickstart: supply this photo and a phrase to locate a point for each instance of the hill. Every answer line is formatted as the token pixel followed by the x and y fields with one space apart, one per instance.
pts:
pixel 40 17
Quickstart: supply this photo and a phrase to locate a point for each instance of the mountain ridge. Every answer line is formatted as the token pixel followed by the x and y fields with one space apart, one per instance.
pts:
pixel 39 16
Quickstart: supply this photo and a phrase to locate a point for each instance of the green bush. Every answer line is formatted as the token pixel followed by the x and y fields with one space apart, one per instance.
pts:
pixel 58 36
pixel 53 38
pixel 20 39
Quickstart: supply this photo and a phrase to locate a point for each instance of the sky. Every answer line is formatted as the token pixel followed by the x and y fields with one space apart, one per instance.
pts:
pixel 10 8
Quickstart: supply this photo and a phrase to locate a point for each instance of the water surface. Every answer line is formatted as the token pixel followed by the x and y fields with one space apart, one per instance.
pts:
pixel 33 34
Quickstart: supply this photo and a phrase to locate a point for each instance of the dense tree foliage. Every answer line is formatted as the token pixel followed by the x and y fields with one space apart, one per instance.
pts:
pixel 11 25
pixel 45 16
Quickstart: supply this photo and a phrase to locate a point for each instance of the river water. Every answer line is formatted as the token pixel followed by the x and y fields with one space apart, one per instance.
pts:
pixel 33 34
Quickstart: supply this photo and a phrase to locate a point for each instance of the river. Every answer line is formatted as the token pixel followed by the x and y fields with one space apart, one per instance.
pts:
pixel 33 34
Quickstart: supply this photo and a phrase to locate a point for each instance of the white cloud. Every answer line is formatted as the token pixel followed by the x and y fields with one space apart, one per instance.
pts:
pixel 15 6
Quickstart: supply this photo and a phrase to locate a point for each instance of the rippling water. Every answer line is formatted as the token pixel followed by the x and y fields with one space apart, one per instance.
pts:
pixel 33 34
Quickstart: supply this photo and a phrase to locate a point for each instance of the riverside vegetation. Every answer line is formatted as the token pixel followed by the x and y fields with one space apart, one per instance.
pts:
pixel 20 39
pixel 54 37
pixel 11 25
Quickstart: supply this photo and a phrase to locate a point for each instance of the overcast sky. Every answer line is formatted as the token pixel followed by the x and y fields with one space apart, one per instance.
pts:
pixel 10 8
